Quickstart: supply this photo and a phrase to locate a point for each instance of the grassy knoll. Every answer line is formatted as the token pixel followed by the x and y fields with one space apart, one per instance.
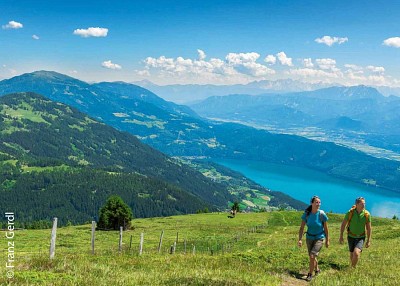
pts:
pixel 228 251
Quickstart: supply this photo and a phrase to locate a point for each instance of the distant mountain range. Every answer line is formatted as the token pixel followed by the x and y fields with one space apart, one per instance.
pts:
pixel 193 93
pixel 177 131
pixel 357 112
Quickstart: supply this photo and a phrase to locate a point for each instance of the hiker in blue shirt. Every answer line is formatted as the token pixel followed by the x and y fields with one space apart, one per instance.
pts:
pixel 317 231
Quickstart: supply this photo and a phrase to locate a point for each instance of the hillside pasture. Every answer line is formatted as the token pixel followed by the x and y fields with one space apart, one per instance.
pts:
pixel 250 249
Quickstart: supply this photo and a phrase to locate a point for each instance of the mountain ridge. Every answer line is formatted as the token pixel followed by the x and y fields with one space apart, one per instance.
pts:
pixel 178 134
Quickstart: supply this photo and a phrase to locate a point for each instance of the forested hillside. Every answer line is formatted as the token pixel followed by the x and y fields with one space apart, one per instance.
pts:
pixel 173 130
pixel 57 161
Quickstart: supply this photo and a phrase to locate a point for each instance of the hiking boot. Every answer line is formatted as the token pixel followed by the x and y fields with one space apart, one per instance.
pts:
pixel 318 271
pixel 309 277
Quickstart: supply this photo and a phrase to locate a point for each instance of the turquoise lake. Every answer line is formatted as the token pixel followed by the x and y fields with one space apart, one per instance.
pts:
pixel 336 195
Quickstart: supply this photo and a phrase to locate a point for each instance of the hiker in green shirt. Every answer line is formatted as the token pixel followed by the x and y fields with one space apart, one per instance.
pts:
pixel 358 223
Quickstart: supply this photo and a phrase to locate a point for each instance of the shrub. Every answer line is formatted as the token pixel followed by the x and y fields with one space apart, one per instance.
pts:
pixel 114 214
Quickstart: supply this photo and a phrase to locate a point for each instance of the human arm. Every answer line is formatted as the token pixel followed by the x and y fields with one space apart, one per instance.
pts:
pixel 342 227
pixel 369 232
pixel 326 229
pixel 301 231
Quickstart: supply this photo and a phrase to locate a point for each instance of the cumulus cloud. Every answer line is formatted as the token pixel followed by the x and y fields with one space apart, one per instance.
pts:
pixel 392 42
pixel 240 58
pixel 12 25
pixel 243 68
pixel 91 32
pixel 329 41
pixel 378 80
pixel 35 37
pixel 353 67
pixel 376 69
pixel 202 55
pixel 235 67
pixel 326 64
pixel 270 59
pixel 315 73
pixel 110 65
pixel 284 60
pixel 308 63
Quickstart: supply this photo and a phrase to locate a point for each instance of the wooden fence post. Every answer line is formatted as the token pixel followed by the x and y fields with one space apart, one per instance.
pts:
pixel 93 230
pixel 53 239
pixel 120 239
pixel 141 243
pixel 130 243
pixel 160 243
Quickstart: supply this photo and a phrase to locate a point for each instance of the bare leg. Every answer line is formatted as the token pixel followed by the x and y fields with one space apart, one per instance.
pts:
pixel 355 257
pixel 312 263
pixel 316 263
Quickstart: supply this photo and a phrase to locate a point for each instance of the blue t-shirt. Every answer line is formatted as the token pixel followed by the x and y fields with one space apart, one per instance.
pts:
pixel 315 224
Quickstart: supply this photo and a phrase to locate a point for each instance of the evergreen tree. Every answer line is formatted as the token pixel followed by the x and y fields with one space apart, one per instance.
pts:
pixel 114 214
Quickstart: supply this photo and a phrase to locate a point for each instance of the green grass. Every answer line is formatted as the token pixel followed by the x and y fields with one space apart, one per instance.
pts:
pixel 250 249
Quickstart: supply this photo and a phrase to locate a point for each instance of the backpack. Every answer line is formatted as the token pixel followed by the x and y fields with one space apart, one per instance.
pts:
pixel 321 215
pixel 351 213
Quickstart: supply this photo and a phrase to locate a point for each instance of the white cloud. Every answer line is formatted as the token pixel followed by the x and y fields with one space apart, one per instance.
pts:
pixel 326 64
pixel 12 25
pixel 237 59
pixel 355 76
pixel 353 67
pixel 307 73
pixel 284 60
pixel 91 32
pixel 242 68
pixel 376 69
pixel 329 41
pixel 236 67
pixel 308 63
pixel 270 59
pixel 392 42
pixel 110 65
pixel 378 80
pixel 202 55
pixel 35 37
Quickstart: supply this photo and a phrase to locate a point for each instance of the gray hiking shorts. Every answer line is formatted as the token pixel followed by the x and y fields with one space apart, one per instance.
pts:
pixel 314 246
pixel 355 243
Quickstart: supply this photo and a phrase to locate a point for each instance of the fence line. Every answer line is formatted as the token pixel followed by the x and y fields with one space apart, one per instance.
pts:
pixel 212 247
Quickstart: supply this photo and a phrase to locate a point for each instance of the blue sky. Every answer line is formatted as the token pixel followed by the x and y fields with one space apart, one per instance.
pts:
pixel 218 42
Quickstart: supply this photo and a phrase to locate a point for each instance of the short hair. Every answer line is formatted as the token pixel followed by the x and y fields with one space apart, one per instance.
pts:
pixel 359 199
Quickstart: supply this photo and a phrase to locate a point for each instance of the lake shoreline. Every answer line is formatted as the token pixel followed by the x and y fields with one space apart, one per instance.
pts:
pixel 337 194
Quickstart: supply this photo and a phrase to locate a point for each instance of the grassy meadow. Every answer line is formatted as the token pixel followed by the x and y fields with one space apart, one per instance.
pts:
pixel 211 249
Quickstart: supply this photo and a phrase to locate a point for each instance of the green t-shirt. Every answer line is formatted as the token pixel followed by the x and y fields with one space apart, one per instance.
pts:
pixel 357 223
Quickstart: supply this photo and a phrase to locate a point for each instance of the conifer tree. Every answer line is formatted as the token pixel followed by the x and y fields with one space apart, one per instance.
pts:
pixel 114 214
